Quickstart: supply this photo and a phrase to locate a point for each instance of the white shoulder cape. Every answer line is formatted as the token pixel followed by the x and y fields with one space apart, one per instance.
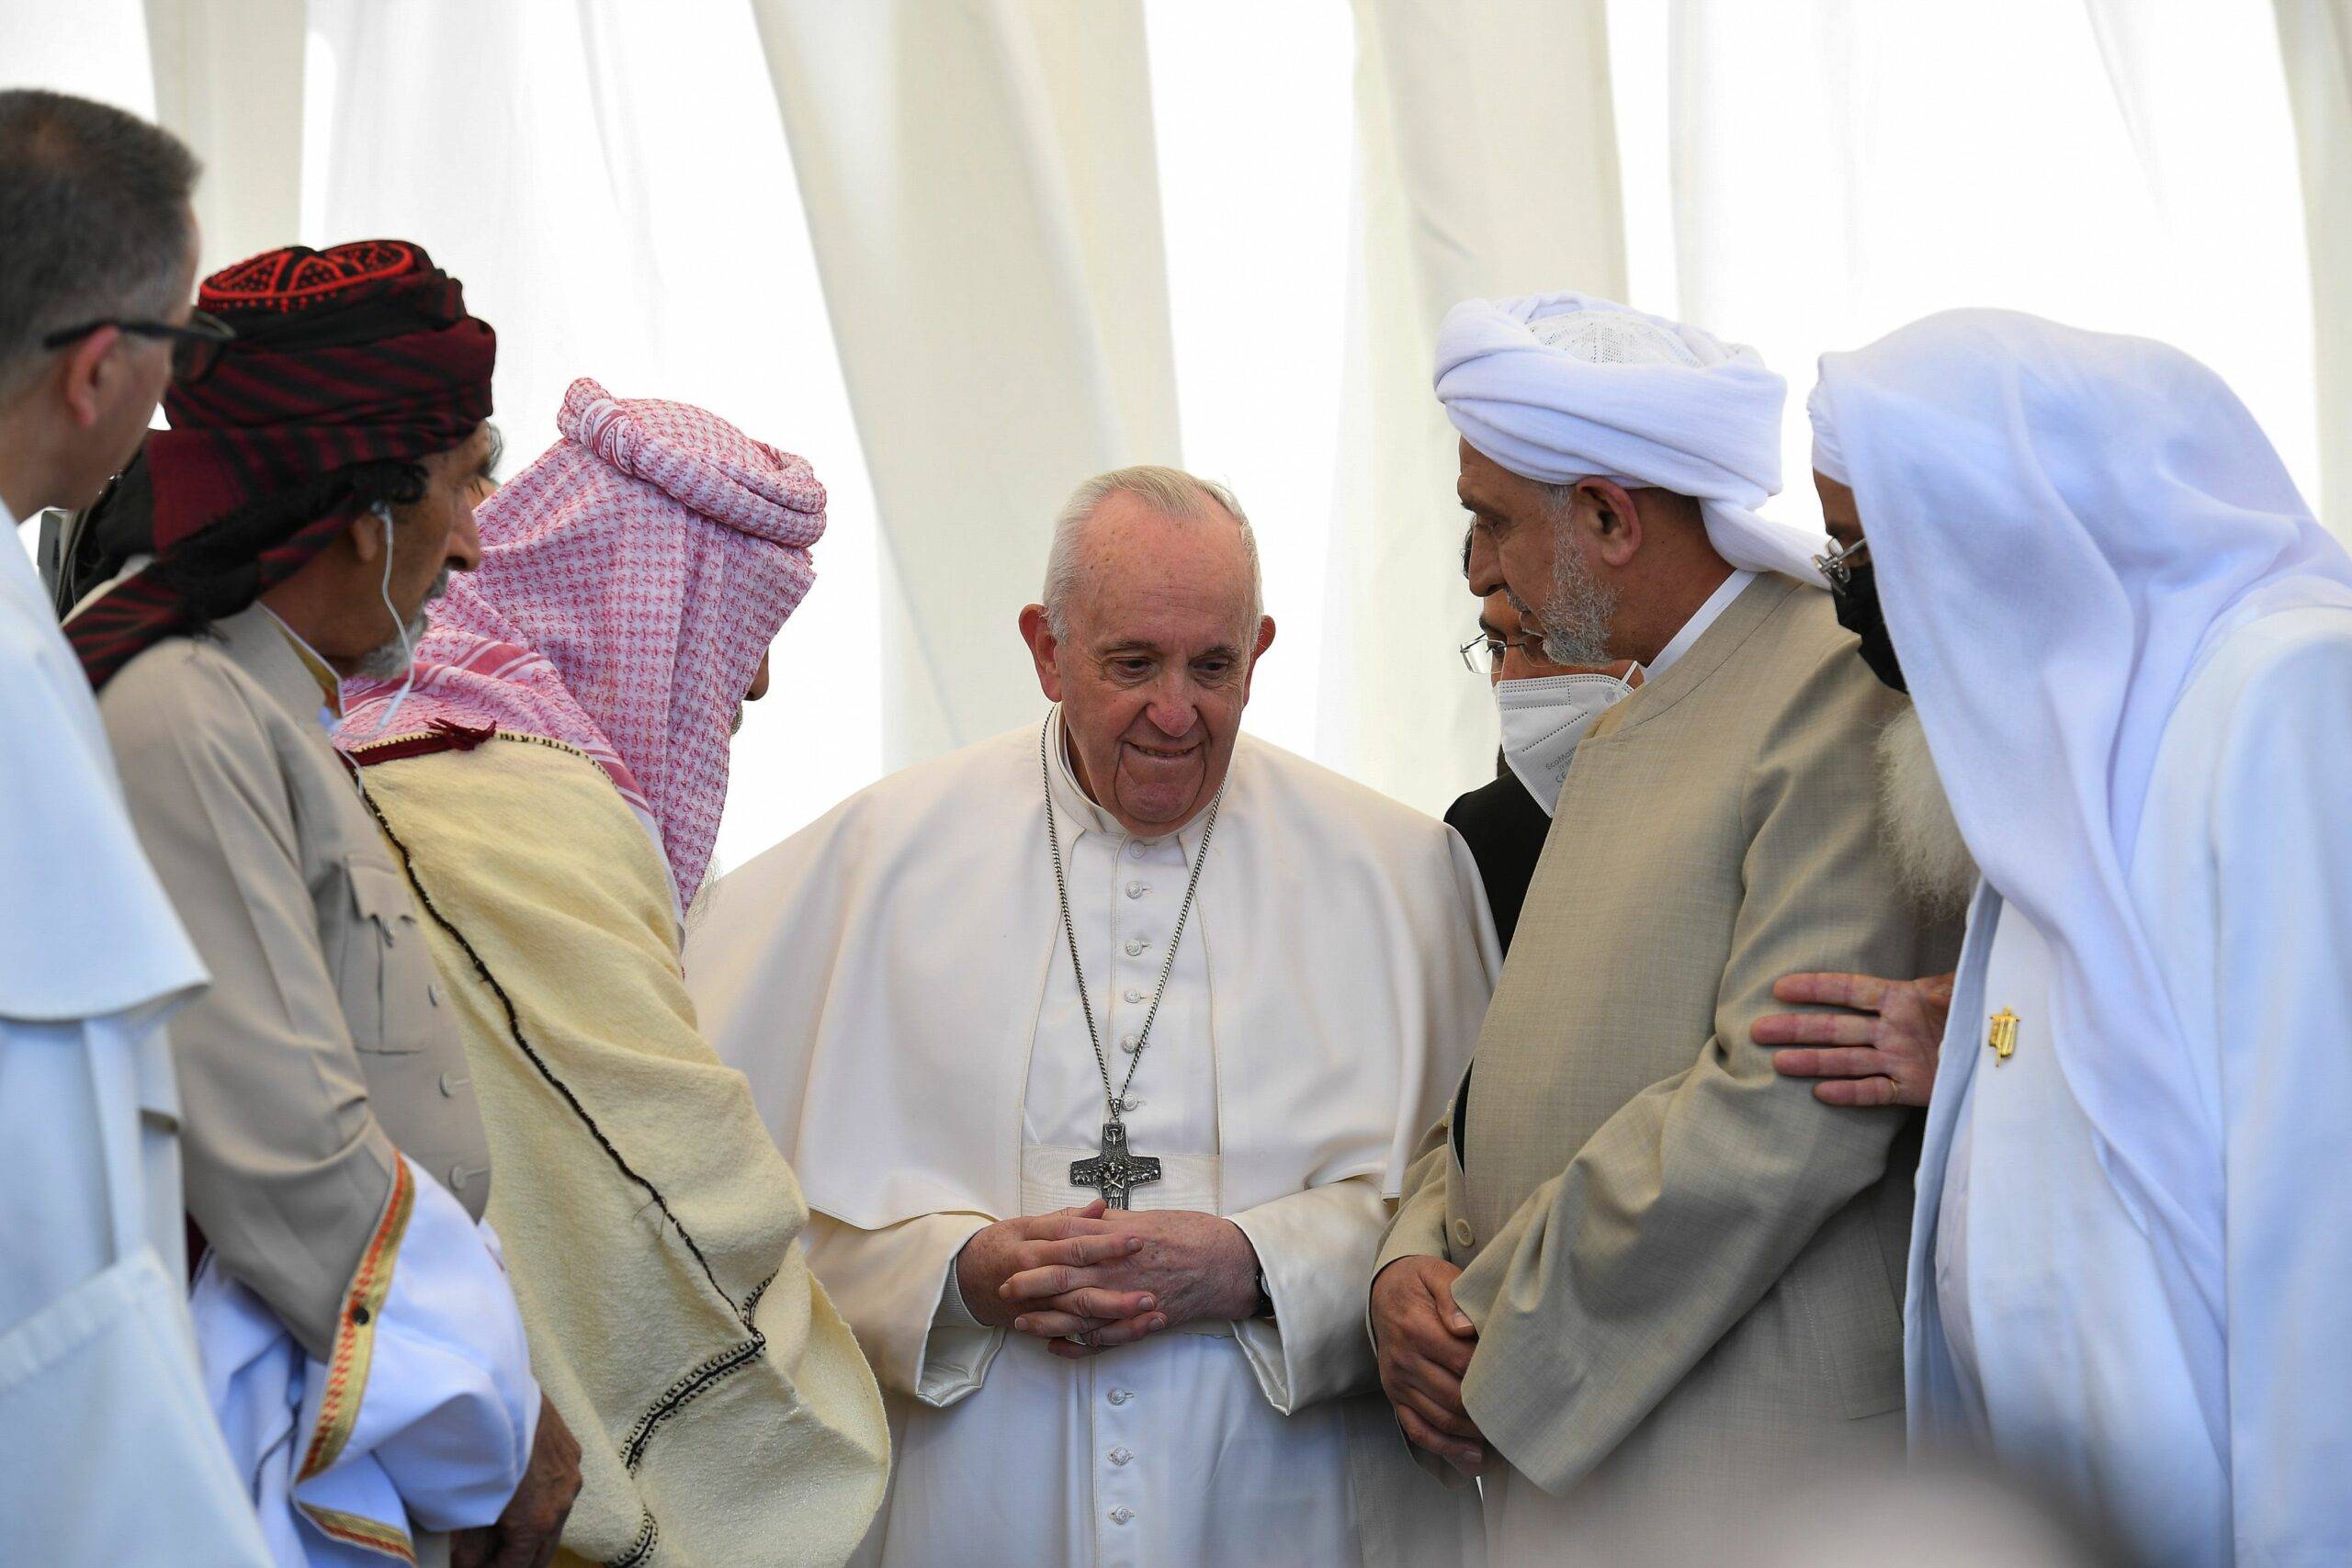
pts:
pixel 879 976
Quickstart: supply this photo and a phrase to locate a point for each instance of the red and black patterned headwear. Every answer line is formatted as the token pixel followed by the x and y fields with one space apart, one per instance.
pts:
pixel 361 354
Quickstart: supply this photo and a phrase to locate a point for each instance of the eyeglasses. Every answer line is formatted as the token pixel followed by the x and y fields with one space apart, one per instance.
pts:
pixel 1838 564
pixel 1489 662
pixel 196 347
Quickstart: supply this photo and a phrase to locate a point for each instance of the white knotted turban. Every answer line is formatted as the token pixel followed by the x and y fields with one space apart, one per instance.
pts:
pixel 1828 451
pixel 1563 387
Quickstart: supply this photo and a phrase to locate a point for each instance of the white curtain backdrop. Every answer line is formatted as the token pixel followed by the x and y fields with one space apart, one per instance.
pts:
pixel 624 207
pixel 2315 41
pixel 1840 167
pixel 1044 237
pixel 229 80
pixel 1487 166
pixel 979 182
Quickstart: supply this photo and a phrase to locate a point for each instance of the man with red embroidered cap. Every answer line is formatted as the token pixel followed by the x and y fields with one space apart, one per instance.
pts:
pixel 553 778
pixel 360 1340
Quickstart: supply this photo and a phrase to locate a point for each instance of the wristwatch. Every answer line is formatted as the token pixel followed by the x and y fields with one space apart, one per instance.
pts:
pixel 1265 1307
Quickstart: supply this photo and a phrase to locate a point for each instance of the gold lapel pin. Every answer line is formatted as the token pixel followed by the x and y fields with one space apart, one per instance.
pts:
pixel 2003 1037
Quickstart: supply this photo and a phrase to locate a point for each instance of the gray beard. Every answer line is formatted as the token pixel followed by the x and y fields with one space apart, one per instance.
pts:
pixel 1577 615
pixel 1931 860
pixel 388 659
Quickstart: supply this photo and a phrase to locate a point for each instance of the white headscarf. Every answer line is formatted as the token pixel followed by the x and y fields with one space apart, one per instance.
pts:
pixel 1828 457
pixel 1564 387
pixel 2062 522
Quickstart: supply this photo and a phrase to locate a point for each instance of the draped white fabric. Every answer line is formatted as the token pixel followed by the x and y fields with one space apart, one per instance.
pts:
pixel 1035 232
pixel 1838 169
pixel 2316 41
pixel 612 183
pixel 1486 167
pixel 229 80
pixel 978 181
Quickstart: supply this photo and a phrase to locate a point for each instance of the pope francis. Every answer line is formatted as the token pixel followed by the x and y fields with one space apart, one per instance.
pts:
pixel 1100 1047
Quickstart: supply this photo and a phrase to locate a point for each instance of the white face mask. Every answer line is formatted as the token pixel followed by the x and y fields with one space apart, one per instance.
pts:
pixel 1544 717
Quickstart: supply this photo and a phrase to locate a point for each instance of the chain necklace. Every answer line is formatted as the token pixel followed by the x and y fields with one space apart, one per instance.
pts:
pixel 1115 1171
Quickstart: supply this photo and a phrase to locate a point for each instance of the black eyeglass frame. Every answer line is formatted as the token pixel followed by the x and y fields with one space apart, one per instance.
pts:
pixel 1498 648
pixel 196 347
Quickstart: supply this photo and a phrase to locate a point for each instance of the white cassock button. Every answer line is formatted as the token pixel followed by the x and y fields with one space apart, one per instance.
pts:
pixel 1137 889
pixel 1127 1043
pixel 1463 1234
pixel 1141 847
pixel 1122 1514
pixel 1135 944
pixel 1133 997
pixel 1121 1396
pixel 1121 1456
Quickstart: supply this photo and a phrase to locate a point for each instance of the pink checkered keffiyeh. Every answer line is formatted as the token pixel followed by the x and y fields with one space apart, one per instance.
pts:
pixel 631 578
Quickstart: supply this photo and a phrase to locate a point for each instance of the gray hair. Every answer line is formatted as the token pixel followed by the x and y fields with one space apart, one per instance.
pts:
pixel 94 220
pixel 1170 492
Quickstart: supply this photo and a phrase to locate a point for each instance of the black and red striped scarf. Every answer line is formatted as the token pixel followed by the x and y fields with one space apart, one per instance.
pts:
pixel 360 353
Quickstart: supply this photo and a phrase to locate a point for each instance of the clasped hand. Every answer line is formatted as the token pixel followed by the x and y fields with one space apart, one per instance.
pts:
pixel 1114 1276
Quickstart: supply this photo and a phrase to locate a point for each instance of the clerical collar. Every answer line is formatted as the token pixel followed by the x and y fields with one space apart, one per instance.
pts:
pixel 1696 627
pixel 1078 810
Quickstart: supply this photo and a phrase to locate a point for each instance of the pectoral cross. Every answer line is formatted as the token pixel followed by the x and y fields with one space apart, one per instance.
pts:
pixel 2003 1037
pixel 1114 1172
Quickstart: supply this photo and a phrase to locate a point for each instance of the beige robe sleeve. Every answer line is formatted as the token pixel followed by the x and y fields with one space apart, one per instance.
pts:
pixel 1613 1278
pixel 1417 1227
pixel 286 1168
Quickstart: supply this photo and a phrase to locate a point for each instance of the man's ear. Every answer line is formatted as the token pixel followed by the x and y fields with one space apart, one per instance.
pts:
pixel 86 373
pixel 367 534
pixel 1605 512
pixel 1257 651
pixel 1045 650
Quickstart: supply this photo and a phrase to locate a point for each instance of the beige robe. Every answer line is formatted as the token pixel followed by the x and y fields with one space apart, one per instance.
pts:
pixel 723 1409
pixel 326 1043
pixel 1687 1272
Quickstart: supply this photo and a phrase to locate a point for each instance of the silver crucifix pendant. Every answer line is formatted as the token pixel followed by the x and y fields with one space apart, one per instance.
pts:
pixel 1114 1172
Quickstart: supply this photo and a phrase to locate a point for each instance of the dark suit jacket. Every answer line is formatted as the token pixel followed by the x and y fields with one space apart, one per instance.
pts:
pixel 1505 830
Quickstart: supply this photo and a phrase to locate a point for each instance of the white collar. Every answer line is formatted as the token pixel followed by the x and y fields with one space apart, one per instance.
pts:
pixel 330 684
pixel 1696 627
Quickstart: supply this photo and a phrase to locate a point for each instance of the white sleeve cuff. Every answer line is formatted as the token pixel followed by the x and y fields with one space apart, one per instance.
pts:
pixel 960 1347
pixel 1316 1250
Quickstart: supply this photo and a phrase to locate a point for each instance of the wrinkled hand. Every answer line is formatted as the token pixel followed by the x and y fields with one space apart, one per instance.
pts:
pixel 1179 1266
pixel 1882 1053
pixel 1067 1238
pixel 1424 1343
pixel 527 1533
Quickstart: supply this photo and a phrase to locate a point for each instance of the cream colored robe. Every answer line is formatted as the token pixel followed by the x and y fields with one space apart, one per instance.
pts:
pixel 725 1414
pixel 894 979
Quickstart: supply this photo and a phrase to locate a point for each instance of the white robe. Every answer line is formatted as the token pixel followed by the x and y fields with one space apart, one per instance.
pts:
pixel 109 1453
pixel 893 981
pixel 2051 1323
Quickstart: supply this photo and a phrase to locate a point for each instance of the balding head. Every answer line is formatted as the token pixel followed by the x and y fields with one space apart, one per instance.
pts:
pixel 1110 503
pixel 1147 635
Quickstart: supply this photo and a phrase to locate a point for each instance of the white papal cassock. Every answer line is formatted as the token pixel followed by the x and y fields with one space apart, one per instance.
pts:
pixel 894 983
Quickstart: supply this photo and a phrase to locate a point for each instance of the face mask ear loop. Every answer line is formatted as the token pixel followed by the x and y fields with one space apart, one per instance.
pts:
pixel 400 625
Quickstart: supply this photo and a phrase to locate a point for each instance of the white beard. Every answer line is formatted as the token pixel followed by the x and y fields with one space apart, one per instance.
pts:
pixel 1931 860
